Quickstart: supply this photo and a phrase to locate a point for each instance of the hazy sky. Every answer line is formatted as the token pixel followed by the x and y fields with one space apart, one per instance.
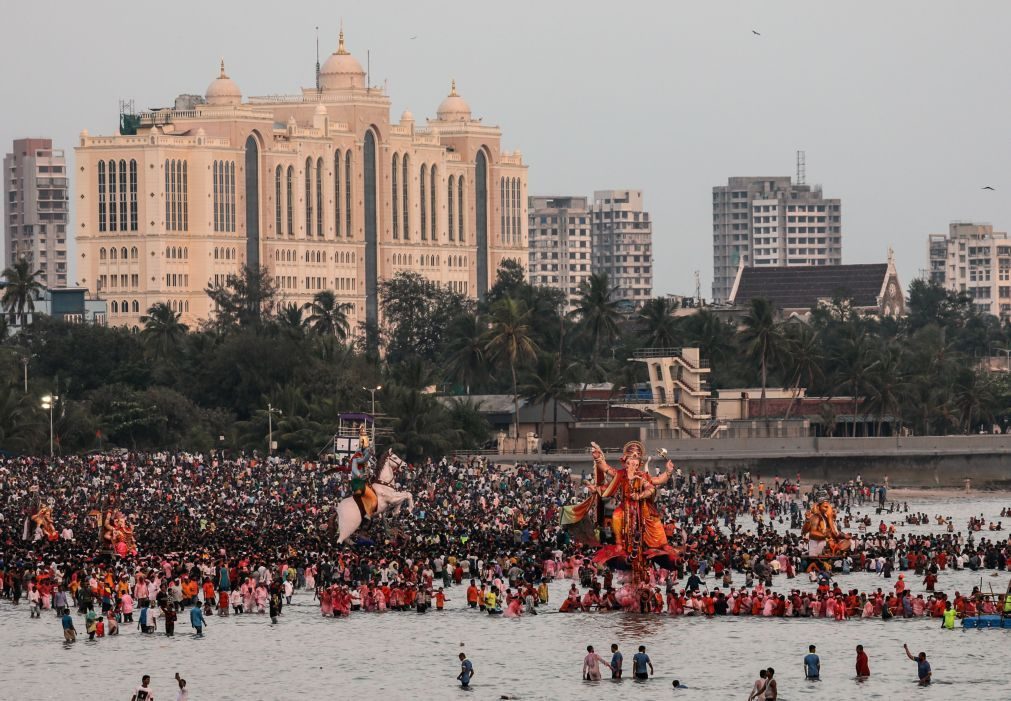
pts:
pixel 902 107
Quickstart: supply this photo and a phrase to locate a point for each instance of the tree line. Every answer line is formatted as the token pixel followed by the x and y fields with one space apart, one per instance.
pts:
pixel 173 387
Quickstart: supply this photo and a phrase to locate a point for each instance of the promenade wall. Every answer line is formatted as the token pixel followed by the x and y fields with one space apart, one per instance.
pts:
pixel 913 461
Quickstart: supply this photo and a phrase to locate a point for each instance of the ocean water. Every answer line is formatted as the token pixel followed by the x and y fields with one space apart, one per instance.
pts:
pixel 407 655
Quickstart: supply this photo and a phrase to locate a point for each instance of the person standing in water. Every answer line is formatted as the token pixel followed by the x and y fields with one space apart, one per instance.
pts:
pixel 759 686
pixel 923 672
pixel 812 665
pixel 640 661
pixel 863 668
pixel 143 692
pixel 771 688
pixel 466 671
pixel 617 659
pixel 591 665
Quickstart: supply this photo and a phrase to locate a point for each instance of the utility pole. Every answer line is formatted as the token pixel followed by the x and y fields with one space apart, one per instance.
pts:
pixel 373 390
pixel 48 402
pixel 270 427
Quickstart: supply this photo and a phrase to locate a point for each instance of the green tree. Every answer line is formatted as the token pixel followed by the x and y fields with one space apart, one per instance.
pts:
pixel 290 320
pixel 853 372
pixel 509 340
pixel 466 359
pixel 416 315
pixel 244 300
pixel 548 383
pixel 762 338
pixel 658 327
pixel 328 317
pixel 596 315
pixel 802 360
pixel 163 333
pixel 21 290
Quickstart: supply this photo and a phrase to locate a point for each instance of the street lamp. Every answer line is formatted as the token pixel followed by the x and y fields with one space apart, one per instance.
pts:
pixel 270 427
pixel 373 390
pixel 48 402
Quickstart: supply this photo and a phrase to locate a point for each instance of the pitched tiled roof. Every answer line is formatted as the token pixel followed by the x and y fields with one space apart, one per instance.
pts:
pixel 801 287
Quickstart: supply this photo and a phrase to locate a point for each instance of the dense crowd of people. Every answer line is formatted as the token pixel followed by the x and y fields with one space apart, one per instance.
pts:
pixel 230 536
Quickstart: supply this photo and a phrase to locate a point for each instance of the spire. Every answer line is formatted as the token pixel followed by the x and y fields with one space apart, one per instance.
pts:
pixel 341 51
pixel 452 92
pixel 317 59
pixel 222 75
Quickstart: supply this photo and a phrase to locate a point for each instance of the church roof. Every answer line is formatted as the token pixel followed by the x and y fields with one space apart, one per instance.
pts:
pixel 801 287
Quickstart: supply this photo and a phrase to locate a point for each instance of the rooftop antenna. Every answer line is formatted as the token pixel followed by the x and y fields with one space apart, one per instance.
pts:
pixel 317 58
pixel 698 288
pixel 801 167
pixel 368 69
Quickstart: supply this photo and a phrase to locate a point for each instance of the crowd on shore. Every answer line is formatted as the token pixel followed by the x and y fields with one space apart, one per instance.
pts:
pixel 227 536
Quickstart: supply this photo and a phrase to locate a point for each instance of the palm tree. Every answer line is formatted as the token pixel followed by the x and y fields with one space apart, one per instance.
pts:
pixel 804 360
pixel 509 339
pixel 886 386
pixel 549 382
pixel 466 360
pixel 327 316
pixel 21 291
pixel 291 321
pixel 659 327
pixel 853 369
pixel 162 332
pixel 596 314
pixel 762 337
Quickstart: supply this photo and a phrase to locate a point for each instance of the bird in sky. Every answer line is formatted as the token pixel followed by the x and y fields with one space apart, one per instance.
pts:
pixel 414 37
pixel 757 34
pixel 987 187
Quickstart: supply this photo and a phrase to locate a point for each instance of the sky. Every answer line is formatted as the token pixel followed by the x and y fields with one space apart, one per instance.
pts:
pixel 901 107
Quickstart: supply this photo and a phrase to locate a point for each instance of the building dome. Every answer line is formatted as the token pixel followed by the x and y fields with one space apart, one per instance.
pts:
pixel 406 117
pixel 454 108
pixel 341 70
pixel 223 90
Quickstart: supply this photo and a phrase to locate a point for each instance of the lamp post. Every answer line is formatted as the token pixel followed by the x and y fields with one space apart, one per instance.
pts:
pixel 48 402
pixel 373 390
pixel 270 427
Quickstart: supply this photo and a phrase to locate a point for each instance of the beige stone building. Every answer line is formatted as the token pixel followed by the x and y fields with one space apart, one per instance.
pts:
pixel 320 187
pixel 975 259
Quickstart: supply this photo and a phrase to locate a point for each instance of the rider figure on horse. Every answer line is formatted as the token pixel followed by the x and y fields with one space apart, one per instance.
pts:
pixel 359 465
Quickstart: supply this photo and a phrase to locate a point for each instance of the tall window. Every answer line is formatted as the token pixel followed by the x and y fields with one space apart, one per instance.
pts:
pixel 347 194
pixel 449 206
pixel 217 197
pixel 291 201
pixel 184 218
pixel 133 195
pixel 434 195
pixel 112 196
pixel 319 198
pixel 101 196
pixel 423 201
pixel 504 201
pixel 406 183
pixel 337 193
pixel 230 197
pixel 122 196
pixel 395 197
pixel 459 207
pixel 516 211
pixel 308 197
pixel 277 201
pixel 169 194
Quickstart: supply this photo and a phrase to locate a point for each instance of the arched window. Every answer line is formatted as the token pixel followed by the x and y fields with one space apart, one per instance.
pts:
pixel 405 180
pixel 434 198
pixel 347 194
pixel 112 254
pixel 217 197
pixel 134 253
pixel 277 201
pixel 230 194
pixel 319 197
pixel 394 199
pixel 308 197
pixel 481 214
pixel 459 208
pixel 169 195
pixel 516 211
pixel 423 201
pixel 115 307
pixel 123 190
pixel 133 195
pixel 504 202
pixel 101 196
pixel 112 196
pixel 186 253
pixel 135 306
pixel 215 254
pixel 124 306
pixel 184 219
pixel 337 193
pixel 101 254
pixel 291 201
pixel 449 206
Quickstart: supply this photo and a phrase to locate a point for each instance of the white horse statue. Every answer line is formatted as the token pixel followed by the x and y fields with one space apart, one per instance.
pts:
pixel 380 497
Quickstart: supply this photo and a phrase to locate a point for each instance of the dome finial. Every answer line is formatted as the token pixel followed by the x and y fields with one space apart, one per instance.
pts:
pixel 222 68
pixel 341 51
pixel 452 92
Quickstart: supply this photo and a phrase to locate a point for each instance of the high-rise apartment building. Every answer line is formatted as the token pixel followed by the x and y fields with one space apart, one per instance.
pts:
pixel 560 243
pixel 763 221
pixel 35 209
pixel 974 258
pixel 322 187
pixel 622 241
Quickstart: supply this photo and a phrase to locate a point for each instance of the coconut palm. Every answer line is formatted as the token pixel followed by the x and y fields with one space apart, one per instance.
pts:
pixel 509 339
pixel 291 321
pixel 21 289
pixel 163 334
pixel 327 316
pixel 658 325
pixel 596 315
pixel 763 339
pixel 804 360
pixel 853 368
pixel 549 382
pixel 466 356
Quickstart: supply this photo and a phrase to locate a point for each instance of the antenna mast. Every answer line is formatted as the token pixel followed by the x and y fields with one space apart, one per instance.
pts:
pixel 801 167
pixel 317 58
pixel 698 288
